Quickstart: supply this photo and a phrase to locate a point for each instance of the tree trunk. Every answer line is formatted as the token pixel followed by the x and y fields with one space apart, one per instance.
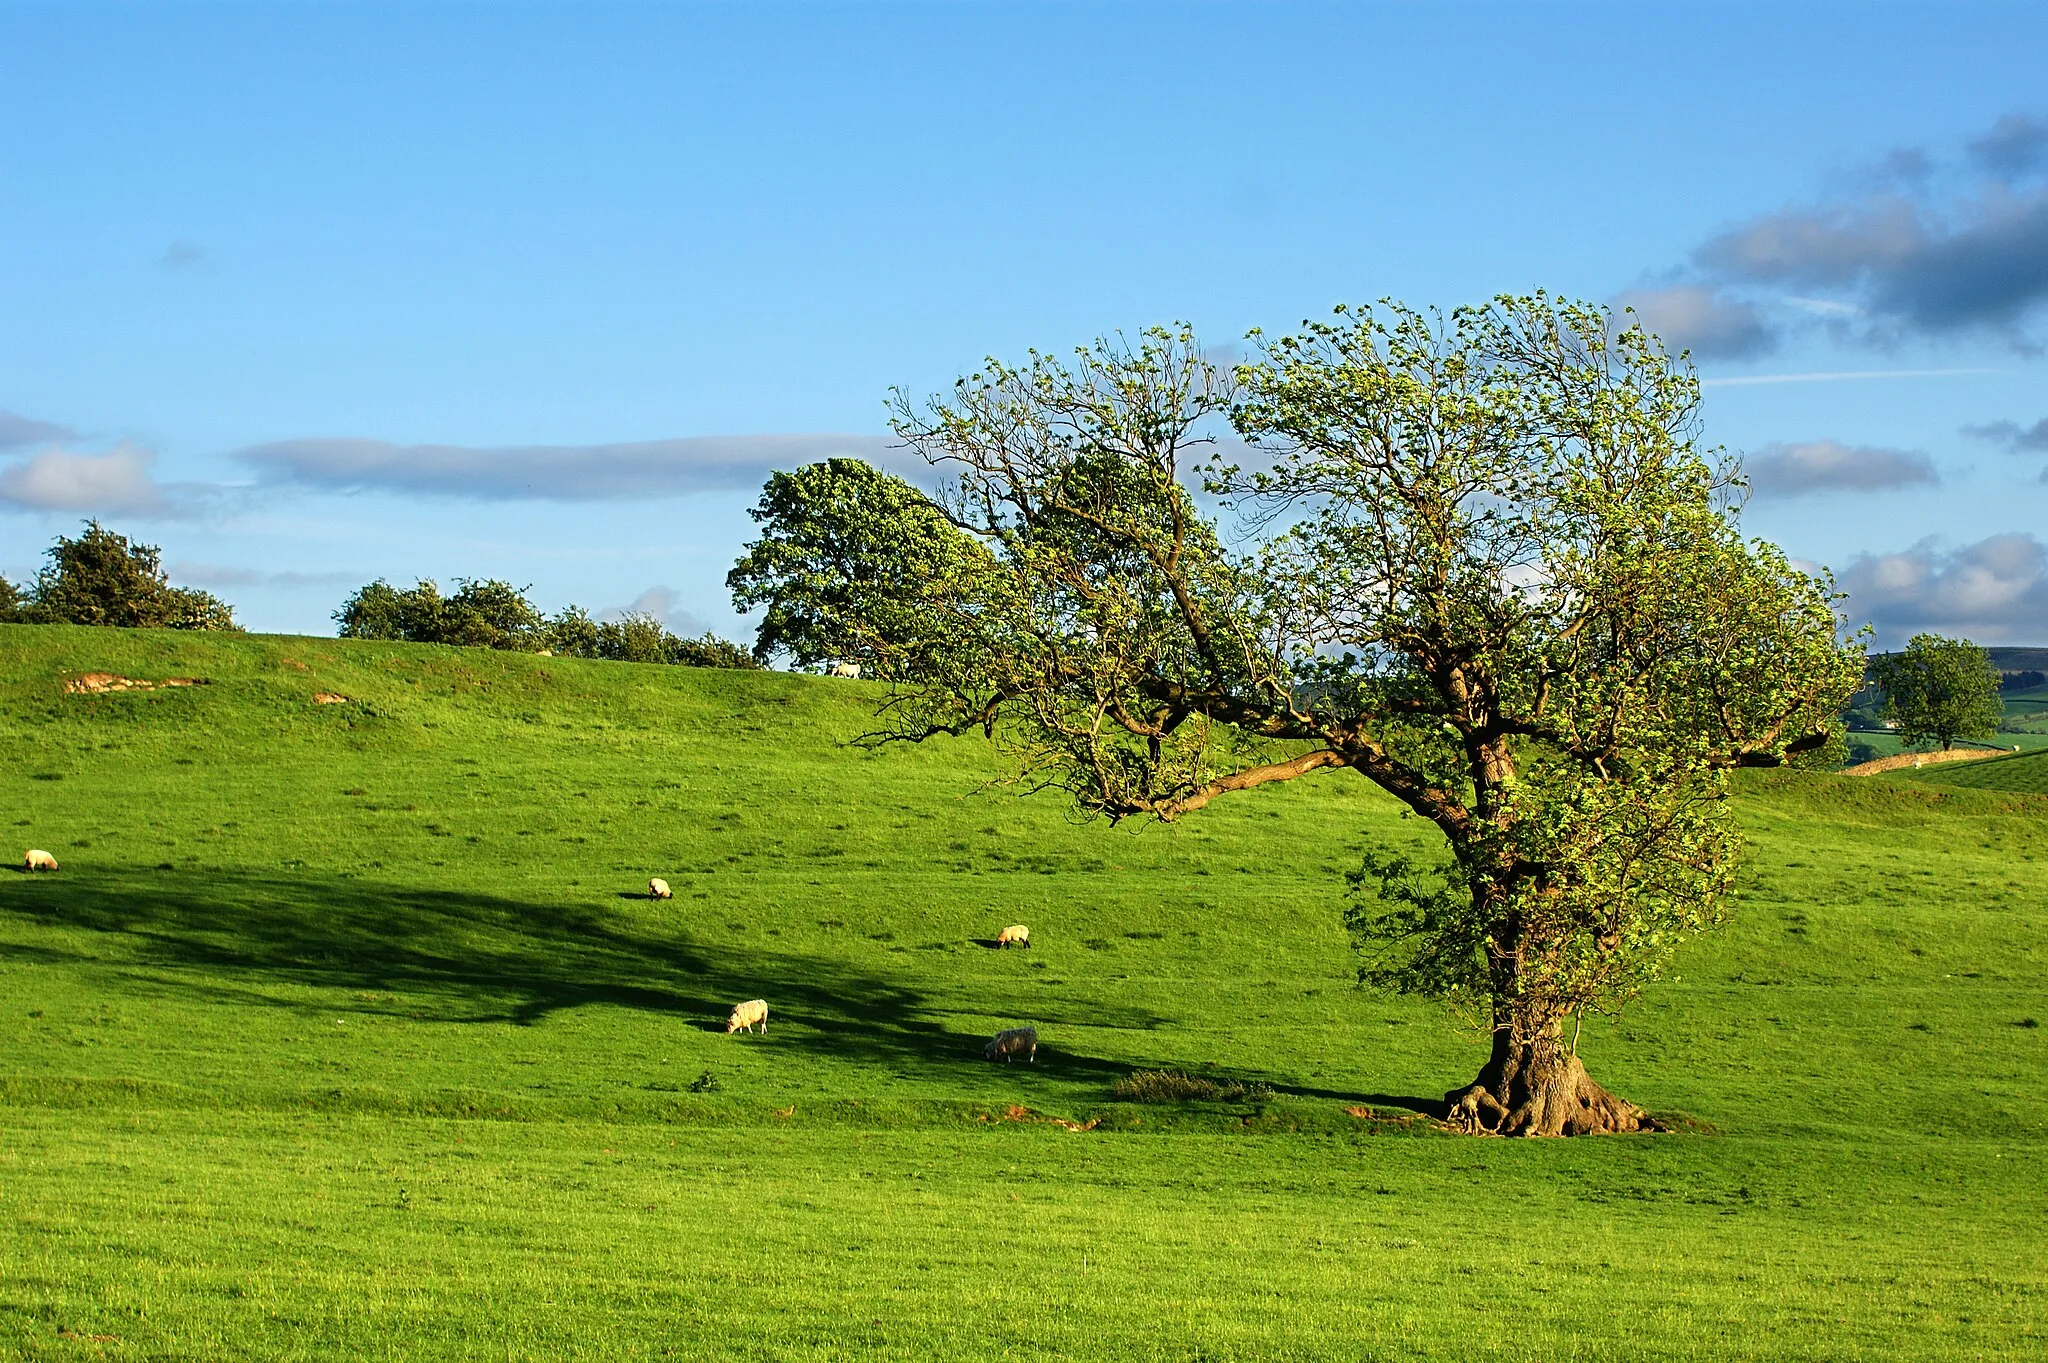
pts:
pixel 1534 1086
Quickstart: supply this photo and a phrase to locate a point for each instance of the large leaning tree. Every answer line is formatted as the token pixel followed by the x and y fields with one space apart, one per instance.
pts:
pixel 1487 568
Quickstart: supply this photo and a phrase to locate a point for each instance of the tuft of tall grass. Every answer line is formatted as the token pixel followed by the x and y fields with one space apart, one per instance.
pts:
pixel 1172 1086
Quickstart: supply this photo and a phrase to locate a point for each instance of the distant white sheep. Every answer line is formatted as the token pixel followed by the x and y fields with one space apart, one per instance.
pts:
pixel 752 1013
pixel 37 859
pixel 845 670
pixel 1015 935
pixel 1012 1043
pixel 657 888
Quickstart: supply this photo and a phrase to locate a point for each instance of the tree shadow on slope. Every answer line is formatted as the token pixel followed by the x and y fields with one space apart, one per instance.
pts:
pixel 478 957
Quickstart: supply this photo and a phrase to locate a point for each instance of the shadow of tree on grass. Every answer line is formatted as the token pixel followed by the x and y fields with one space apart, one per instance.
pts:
pixel 480 958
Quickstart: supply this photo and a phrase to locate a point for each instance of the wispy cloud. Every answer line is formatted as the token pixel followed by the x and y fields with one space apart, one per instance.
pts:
pixel 2015 437
pixel 1993 591
pixel 1841 376
pixel 181 254
pixel 650 468
pixel 20 432
pixel 1783 470
pixel 221 575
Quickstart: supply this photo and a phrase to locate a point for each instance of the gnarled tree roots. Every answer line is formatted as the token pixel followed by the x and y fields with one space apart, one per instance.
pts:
pixel 1540 1090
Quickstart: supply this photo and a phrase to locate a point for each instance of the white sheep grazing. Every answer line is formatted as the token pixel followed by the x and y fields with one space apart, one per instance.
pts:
pixel 749 1014
pixel 1015 935
pixel 1012 1043
pixel 38 860
pixel 846 670
pixel 657 888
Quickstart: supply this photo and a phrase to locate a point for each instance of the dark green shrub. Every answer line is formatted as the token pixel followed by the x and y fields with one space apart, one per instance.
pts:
pixel 101 578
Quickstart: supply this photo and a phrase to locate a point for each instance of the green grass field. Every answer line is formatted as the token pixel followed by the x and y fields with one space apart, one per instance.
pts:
pixel 345 1032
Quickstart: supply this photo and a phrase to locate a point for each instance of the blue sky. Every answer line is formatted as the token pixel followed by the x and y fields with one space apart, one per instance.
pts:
pixel 313 293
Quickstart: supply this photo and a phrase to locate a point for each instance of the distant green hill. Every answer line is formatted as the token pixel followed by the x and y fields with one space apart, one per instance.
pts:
pixel 2008 659
pixel 346 1031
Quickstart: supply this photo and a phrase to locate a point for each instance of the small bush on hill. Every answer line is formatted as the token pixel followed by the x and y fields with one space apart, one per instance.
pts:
pixel 1172 1086
pixel 101 578
pixel 483 613
pixel 492 613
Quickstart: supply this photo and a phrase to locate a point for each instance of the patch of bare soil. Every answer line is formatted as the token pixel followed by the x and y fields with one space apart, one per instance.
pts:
pixel 99 683
pixel 329 698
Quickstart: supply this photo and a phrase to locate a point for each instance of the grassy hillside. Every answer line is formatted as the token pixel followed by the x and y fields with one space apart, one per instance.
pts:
pixel 346 1032
pixel 2025 773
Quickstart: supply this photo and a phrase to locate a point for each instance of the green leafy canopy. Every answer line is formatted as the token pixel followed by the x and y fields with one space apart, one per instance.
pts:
pixel 1939 690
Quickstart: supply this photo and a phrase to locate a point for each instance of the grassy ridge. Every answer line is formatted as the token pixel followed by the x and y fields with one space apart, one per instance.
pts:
pixel 2025 772
pixel 345 1032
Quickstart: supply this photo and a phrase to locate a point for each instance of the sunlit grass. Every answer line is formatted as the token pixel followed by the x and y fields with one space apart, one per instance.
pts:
pixel 346 1032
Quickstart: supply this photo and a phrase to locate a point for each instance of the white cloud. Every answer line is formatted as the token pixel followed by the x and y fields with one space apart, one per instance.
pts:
pixel 649 468
pixel 118 481
pixel 221 575
pixel 1993 592
pixel 660 602
pixel 1783 470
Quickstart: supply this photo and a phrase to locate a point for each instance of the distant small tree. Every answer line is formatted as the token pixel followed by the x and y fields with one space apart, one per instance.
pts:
pixel 855 564
pixel 489 613
pixel 483 613
pixel 101 578
pixel 711 651
pixel 13 604
pixel 635 637
pixel 492 613
pixel 1939 690
pixel 572 634
pixel 377 610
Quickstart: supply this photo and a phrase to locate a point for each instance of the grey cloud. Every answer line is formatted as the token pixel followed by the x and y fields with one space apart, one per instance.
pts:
pixel 2015 145
pixel 1910 167
pixel 1909 258
pixel 2015 437
pixel 1782 470
pixel 17 431
pixel 1700 319
pixel 650 468
pixel 180 254
pixel 118 481
pixel 1988 267
pixel 221 575
pixel 1993 591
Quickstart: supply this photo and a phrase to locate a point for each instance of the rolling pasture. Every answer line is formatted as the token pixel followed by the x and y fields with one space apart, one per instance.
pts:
pixel 346 1031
